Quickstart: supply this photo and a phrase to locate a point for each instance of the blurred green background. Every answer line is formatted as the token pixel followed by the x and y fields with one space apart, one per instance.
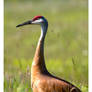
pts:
pixel 66 43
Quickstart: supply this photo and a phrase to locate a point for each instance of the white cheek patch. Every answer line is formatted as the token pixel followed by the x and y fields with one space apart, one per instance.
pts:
pixel 39 21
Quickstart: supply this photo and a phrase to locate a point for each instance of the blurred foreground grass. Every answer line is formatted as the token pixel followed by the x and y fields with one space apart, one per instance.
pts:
pixel 17 79
pixel 66 43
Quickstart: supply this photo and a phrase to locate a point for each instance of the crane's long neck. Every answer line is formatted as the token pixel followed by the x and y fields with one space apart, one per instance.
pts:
pixel 38 61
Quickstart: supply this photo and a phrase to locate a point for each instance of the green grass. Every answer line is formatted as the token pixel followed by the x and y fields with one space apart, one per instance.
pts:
pixel 66 43
pixel 66 70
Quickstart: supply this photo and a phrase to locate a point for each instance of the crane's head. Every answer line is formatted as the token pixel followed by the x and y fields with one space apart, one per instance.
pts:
pixel 40 20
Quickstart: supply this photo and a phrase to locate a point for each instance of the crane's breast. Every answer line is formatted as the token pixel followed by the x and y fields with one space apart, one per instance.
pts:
pixel 48 85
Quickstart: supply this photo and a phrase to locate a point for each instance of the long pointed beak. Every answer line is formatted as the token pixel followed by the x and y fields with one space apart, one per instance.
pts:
pixel 25 23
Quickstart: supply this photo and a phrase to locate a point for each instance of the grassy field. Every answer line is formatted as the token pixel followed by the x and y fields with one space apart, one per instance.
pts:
pixel 66 44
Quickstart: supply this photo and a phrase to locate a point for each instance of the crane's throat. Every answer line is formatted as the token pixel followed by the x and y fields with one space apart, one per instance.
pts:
pixel 38 61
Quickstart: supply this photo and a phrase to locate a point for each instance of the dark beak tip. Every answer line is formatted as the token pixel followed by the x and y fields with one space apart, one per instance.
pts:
pixel 18 25
pixel 25 23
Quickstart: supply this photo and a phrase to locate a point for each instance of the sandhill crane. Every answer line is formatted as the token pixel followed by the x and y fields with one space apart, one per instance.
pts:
pixel 41 79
